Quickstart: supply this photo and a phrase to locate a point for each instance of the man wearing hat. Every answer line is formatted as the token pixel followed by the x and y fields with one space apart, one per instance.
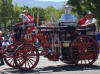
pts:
pixel 27 20
pixel 91 23
pixel 25 24
pixel 91 20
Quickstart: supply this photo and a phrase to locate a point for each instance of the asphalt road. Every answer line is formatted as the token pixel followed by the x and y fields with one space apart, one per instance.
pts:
pixel 49 67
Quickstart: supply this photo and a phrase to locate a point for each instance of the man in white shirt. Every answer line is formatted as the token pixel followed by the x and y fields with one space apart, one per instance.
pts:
pixel 91 20
pixel 91 23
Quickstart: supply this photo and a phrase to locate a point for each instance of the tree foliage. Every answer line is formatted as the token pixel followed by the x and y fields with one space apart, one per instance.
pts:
pixel 85 6
pixel 38 13
pixel 5 11
pixel 16 11
pixel 52 12
pixel 11 12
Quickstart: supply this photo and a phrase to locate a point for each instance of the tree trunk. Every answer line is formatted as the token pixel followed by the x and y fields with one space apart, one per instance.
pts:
pixel 0 25
pixel 5 27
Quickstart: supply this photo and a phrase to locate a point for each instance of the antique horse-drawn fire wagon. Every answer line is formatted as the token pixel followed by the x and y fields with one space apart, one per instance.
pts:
pixel 63 41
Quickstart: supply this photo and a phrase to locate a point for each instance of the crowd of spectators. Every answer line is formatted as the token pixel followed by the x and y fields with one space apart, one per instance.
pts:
pixel 5 38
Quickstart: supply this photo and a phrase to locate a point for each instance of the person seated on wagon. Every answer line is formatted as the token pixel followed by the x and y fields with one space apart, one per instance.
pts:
pixel 90 23
pixel 25 25
pixel 83 19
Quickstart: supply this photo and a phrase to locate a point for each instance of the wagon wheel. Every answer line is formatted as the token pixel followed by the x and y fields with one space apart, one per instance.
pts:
pixel 27 57
pixel 84 50
pixel 9 57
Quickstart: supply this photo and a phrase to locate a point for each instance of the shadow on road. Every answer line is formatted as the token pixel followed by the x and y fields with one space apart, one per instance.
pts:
pixel 61 68
pixel 49 69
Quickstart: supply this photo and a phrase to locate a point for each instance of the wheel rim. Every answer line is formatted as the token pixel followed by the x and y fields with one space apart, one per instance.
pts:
pixel 10 61
pixel 26 57
pixel 9 58
pixel 84 50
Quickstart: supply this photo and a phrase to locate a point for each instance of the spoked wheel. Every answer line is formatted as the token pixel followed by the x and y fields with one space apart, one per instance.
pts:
pixel 9 57
pixel 84 50
pixel 27 57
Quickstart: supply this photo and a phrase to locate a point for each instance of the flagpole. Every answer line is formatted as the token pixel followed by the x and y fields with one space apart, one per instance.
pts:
pixel 38 19
pixel 33 17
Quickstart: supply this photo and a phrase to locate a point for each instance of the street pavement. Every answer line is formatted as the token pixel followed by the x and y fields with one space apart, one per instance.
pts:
pixel 49 67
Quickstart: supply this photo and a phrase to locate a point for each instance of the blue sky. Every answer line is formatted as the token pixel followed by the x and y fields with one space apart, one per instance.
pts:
pixel 53 0
pixel 41 3
pixel 46 0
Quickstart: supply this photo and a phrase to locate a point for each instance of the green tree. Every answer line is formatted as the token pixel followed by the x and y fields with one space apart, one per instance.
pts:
pixel 41 12
pixel 5 11
pixel 51 11
pixel 16 11
pixel 85 6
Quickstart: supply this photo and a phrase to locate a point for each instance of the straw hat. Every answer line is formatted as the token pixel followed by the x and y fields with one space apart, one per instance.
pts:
pixel 25 11
pixel 90 12
pixel 0 31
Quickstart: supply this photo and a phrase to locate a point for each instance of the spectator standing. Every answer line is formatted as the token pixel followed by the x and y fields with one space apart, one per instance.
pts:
pixel 1 57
